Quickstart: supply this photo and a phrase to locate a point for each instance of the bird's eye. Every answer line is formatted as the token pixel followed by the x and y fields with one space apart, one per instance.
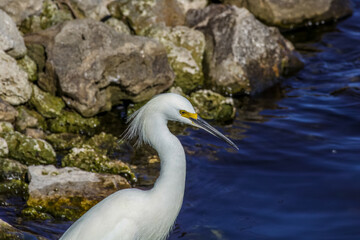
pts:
pixel 182 112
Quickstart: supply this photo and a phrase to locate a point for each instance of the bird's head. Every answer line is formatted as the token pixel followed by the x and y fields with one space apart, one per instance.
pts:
pixel 172 107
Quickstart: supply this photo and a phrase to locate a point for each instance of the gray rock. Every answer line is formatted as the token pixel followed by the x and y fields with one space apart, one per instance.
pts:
pixel 295 13
pixel 6 127
pixel 95 9
pixel 35 133
pixel 7 112
pixel 11 40
pixel 25 119
pixel 118 25
pixel 54 189
pixel 242 54
pixel 14 85
pixel 18 10
pixel 97 67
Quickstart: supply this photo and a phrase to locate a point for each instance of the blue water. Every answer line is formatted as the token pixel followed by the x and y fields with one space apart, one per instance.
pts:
pixel 297 174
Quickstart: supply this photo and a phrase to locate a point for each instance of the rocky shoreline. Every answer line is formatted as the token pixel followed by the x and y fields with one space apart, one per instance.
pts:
pixel 64 64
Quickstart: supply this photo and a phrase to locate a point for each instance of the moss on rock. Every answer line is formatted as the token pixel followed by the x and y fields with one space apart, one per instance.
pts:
pixel 65 141
pixel 35 213
pixel 29 150
pixel 46 104
pixel 14 187
pixel 29 118
pixel 213 106
pixel 29 66
pixel 185 48
pixel 6 127
pixel 11 169
pixel 4 150
pixel 88 159
pixel 73 122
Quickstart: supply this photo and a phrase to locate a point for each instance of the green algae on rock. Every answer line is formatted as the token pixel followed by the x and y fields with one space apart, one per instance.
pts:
pixel 73 122
pixel 88 159
pixel 104 143
pixel 9 232
pixel 14 187
pixel 11 169
pixel 29 66
pixel 213 106
pixel 185 48
pixel 29 150
pixel 65 141
pixel 6 127
pixel 50 16
pixel 35 213
pixel 46 104
pixel 69 192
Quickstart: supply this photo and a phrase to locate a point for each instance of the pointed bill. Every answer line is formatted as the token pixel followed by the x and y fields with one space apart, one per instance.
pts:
pixel 207 127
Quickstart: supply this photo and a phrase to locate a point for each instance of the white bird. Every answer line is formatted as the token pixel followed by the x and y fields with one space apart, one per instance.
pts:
pixel 134 214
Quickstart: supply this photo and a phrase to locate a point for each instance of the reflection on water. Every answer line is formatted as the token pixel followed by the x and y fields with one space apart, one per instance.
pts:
pixel 297 171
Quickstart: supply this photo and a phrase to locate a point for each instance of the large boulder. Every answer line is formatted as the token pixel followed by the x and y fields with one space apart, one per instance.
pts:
pixel 295 13
pixel 21 9
pixel 185 48
pixel 14 85
pixel 143 15
pixel 69 192
pixel 242 55
pixel 10 39
pixel 96 67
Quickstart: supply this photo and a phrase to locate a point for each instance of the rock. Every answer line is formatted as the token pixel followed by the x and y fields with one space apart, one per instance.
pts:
pixel 97 67
pixel 18 10
pixel 212 106
pixel 185 48
pixel 72 122
pixel 14 86
pixel 29 66
pixel 186 5
pixel 35 133
pixel 11 169
pixel 4 150
pixel 6 127
pixel 242 55
pixel 29 150
pixel 104 143
pixel 143 15
pixel 118 26
pixel 89 159
pixel 46 104
pixel 9 232
pixel 29 118
pixel 11 40
pixel 65 141
pixel 69 192
pixel 50 15
pixel 7 112
pixel 14 187
pixel 295 13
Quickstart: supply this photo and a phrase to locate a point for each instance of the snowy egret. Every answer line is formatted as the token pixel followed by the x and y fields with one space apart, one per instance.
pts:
pixel 134 214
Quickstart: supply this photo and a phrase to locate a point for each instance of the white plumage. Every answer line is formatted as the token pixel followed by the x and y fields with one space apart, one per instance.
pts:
pixel 133 214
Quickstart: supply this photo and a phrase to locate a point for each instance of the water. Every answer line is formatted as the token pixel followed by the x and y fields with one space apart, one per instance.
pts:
pixel 297 173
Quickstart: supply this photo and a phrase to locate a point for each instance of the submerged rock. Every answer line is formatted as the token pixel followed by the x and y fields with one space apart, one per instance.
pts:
pixel 72 122
pixel 29 150
pixel 242 55
pixel 213 106
pixel 69 192
pixel 46 104
pixel 11 41
pixel 18 10
pixel 96 67
pixel 143 15
pixel 295 13
pixel 14 85
pixel 7 112
pixel 185 48
pixel 90 159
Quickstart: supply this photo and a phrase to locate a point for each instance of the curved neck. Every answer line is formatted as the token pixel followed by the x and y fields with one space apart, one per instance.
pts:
pixel 170 185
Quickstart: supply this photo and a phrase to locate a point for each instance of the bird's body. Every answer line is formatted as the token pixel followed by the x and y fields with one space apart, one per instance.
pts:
pixel 133 214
